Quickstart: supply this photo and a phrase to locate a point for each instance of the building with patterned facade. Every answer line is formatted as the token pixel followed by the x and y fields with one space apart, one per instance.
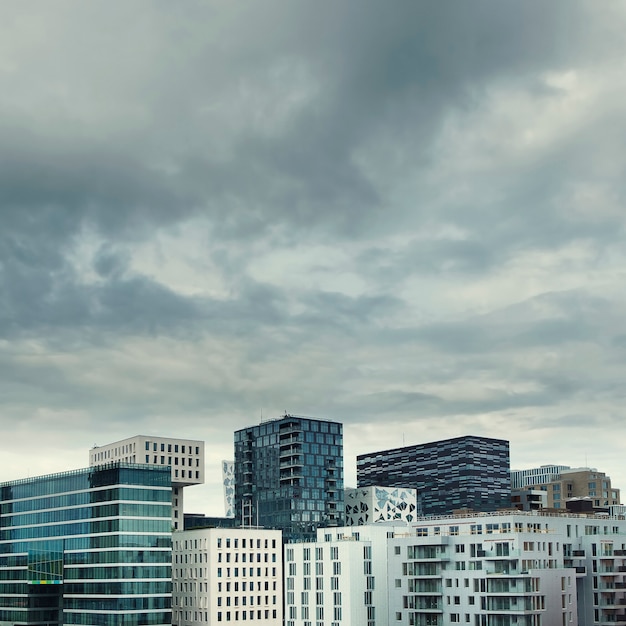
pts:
pixel 289 475
pixel 227 575
pixel 462 473
pixel 90 547
pixel 367 505
pixel 228 480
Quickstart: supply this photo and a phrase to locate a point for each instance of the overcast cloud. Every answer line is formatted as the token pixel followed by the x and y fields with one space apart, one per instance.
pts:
pixel 409 218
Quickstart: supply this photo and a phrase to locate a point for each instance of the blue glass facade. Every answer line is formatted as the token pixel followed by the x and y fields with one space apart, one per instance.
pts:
pixel 89 547
pixel 462 473
pixel 289 475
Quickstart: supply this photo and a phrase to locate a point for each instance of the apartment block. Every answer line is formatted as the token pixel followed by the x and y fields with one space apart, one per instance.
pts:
pixel 289 475
pixel 184 457
pixel 465 570
pixel 87 547
pixel 229 575
pixel 562 483
pixel 485 569
pixel 462 473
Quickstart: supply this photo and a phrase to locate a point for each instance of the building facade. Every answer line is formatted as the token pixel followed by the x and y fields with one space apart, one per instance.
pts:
pixel 461 473
pixel 228 479
pixel 366 505
pixel 562 483
pixel 227 575
pixel 534 568
pixel 87 547
pixel 533 477
pixel 184 457
pixel 289 475
pixel 485 570
pixel 529 499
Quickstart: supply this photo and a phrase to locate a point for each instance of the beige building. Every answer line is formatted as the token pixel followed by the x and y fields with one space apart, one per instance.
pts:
pixel 582 482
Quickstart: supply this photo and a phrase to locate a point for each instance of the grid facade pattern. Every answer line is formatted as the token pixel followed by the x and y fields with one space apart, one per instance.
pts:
pixel 289 475
pixel 521 479
pixel 461 473
pixel 185 457
pixel 89 547
pixel 227 575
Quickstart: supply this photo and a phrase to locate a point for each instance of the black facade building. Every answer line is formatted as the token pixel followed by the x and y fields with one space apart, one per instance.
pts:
pixel 461 473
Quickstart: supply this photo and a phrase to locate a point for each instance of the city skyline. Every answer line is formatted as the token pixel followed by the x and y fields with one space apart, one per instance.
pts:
pixel 409 221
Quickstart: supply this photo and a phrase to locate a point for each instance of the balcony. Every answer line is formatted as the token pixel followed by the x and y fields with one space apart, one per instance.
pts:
pixel 294 461
pixel 492 556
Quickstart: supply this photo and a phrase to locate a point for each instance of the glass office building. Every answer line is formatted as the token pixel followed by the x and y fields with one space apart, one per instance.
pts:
pixel 289 475
pixel 461 473
pixel 90 547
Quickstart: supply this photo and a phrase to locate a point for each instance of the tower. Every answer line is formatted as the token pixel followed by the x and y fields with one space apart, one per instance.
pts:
pixel 289 475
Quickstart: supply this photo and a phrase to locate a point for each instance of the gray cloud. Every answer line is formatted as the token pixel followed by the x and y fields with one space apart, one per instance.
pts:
pixel 407 219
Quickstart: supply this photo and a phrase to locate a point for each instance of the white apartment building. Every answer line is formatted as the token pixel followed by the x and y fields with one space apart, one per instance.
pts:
pixel 184 456
pixel 229 575
pixel 500 569
pixel 366 505
pixel 543 475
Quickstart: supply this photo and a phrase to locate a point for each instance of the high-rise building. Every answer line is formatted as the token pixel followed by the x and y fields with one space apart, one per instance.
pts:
pixel 184 457
pixel 87 547
pixel 289 475
pixel 227 575
pixel 462 473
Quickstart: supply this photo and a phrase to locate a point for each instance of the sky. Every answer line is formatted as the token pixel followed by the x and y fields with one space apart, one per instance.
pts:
pixel 407 217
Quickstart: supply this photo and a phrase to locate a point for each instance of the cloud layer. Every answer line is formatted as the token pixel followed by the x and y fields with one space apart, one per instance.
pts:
pixel 407 220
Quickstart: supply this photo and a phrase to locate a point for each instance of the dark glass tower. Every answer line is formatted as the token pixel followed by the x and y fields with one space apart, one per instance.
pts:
pixel 461 473
pixel 289 475
pixel 87 547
